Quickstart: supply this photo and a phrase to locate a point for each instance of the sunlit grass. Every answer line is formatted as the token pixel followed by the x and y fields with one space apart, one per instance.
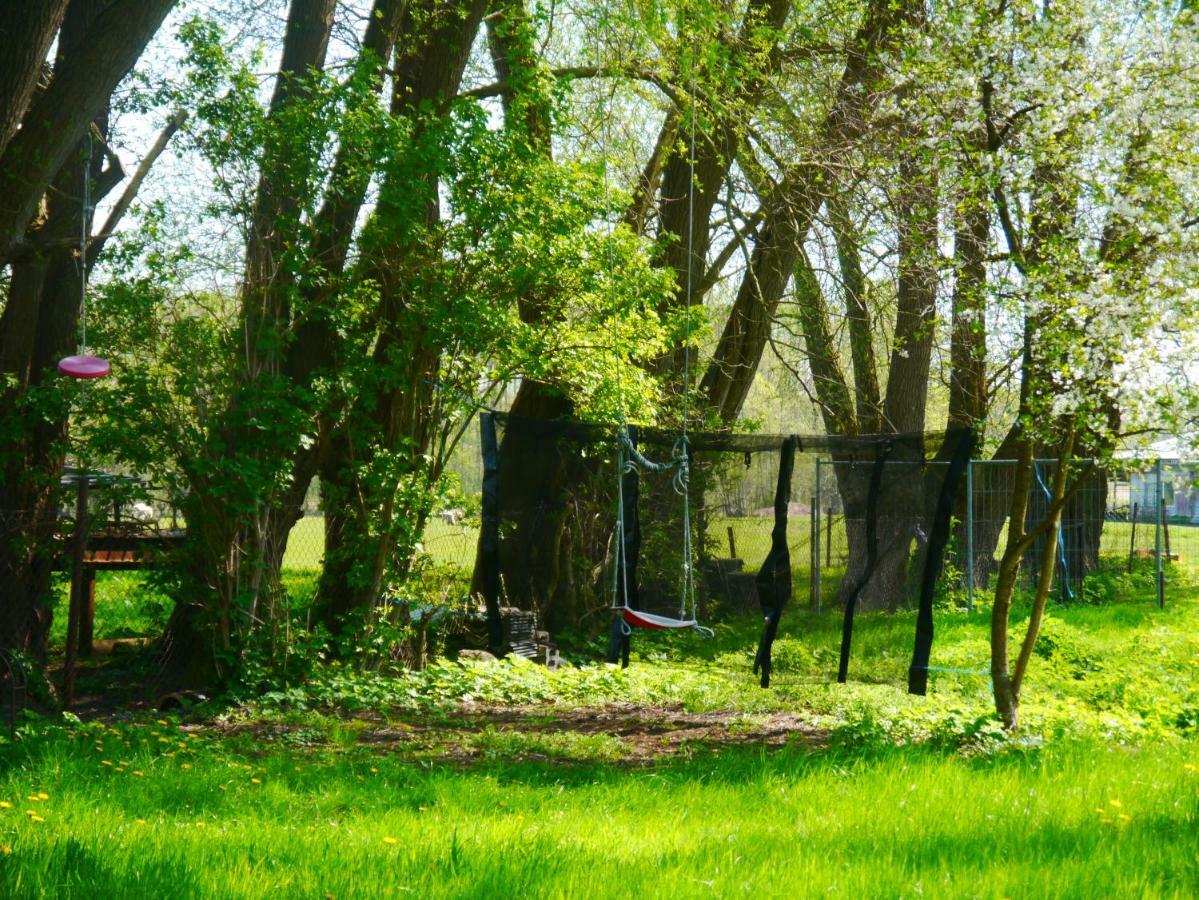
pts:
pixel 230 819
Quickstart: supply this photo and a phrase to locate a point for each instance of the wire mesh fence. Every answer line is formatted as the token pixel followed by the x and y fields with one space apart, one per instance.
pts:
pixel 1131 515
pixel 1126 516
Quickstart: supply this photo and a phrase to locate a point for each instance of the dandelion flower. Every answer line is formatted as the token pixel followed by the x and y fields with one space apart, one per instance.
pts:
pixel 1124 817
pixel 1100 810
pixel 389 840
pixel 1191 767
pixel 138 772
pixel 36 818
pixel 1116 803
pixel 186 766
pixel 106 762
pixel 1106 821
pixel 43 796
pixel 163 722
pixel 4 804
pixel 140 821
pixel 256 781
pixel 5 849
pixel 33 798
pixel 374 770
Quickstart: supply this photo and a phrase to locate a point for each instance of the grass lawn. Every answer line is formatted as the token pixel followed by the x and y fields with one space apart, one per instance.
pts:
pixel 677 777
pixel 240 817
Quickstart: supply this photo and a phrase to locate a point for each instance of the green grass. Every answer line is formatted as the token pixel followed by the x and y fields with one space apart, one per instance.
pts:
pixel 495 780
pixel 236 818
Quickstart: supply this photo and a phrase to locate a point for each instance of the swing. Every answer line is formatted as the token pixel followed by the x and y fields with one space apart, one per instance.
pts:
pixel 83 365
pixel 630 462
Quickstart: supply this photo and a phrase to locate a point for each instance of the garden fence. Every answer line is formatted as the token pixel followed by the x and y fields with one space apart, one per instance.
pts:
pixel 1125 516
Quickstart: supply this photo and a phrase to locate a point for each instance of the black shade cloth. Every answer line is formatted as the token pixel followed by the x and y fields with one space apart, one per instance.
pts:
pixel 550 495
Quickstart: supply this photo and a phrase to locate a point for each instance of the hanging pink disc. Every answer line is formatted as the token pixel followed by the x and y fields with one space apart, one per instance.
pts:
pixel 83 366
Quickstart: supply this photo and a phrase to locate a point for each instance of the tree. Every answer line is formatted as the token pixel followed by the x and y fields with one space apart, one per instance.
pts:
pixel 51 118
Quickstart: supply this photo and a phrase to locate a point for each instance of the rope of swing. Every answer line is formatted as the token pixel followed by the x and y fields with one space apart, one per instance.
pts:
pixel 629 458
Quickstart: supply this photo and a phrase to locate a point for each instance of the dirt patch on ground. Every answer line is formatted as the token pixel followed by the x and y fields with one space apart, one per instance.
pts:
pixel 618 733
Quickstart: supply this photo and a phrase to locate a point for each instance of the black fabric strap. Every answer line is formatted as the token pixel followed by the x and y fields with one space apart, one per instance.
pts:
pixel 851 602
pixel 628 554
pixel 935 558
pixel 774 577
pixel 489 538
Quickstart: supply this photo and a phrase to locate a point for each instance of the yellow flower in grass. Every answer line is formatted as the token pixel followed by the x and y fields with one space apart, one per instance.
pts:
pixel 255 781
pixel 33 798
pixel 4 804
pixel 36 818
pixel 140 821
pixel 43 796
pixel 389 840
pixel 186 766
pixel 1116 803
pixel 1100 810
pixel 1191 767
pixel 106 762
pixel 138 772
pixel 5 849
pixel 1124 817
pixel 163 722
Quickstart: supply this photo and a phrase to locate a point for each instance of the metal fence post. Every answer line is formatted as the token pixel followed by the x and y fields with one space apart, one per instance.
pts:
pixel 816 586
pixel 1157 535
pixel 970 535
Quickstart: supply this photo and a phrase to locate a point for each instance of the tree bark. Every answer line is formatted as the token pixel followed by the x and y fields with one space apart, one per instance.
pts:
pixel 379 516
pixel 82 83
pixel 790 210
pixel 27 31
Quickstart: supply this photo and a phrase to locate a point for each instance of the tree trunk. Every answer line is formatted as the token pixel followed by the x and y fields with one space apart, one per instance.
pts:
pixel 84 79
pixel 377 471
pixel 790 210
pixel 38 327
pixel 27 31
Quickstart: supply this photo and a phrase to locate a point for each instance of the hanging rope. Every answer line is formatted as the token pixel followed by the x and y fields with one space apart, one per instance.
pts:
pixel 82 365
pixel 630 461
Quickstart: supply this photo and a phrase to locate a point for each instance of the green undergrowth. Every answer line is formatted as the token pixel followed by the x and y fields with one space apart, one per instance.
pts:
pixel 1122 670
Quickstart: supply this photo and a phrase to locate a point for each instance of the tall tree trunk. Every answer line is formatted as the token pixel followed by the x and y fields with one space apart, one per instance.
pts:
pixel 378 513
pixel 38 327
pixel 27 31
pixel 790 210
pixel 83 80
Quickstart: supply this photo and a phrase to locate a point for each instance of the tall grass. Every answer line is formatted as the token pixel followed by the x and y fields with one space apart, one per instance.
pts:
pixel 244 819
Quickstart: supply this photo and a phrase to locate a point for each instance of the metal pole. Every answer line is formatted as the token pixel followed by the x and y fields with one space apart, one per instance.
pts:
pixel 1157 537
pixel 970 535
pixel 816 585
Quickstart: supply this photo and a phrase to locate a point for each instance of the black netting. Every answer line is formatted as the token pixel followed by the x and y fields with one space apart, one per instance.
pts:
pixel 552 491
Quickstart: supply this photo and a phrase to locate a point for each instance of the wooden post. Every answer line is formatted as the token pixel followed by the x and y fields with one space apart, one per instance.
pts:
pixel 732 544
pixel 828 544
pixel 1132 537
pixel 816 580
pixel 75 607
pixel 87 619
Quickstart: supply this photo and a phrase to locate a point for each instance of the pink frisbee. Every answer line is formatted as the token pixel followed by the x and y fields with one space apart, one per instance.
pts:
pixel 83 366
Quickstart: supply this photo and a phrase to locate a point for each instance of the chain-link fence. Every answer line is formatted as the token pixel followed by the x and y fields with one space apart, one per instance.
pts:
pixel 1128 515
pixel 1141 515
